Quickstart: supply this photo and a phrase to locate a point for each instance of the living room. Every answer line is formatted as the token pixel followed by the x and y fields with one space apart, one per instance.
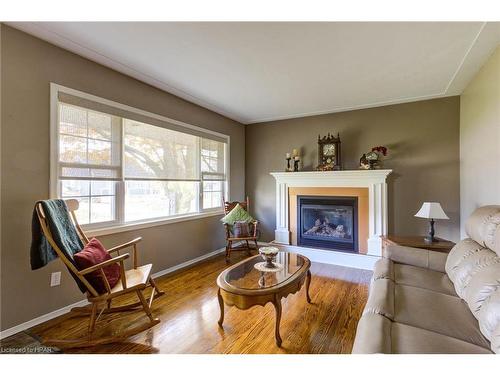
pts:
pixel 250 187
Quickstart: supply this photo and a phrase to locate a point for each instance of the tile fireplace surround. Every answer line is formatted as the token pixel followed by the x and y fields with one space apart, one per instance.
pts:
pixel 374 181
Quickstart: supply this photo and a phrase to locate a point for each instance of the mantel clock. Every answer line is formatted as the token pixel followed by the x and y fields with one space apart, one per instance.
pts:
pixel 329 157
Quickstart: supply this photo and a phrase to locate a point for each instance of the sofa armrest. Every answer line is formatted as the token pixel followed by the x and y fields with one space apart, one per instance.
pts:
pixel 373 335
pixel 433 260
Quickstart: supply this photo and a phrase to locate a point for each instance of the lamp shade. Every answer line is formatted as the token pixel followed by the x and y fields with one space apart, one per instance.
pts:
pixel 431 210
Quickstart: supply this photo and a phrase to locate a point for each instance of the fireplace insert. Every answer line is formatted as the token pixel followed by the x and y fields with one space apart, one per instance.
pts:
pixel 328 222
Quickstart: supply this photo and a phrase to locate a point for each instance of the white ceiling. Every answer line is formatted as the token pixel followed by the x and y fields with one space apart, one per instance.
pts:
pixel 254 72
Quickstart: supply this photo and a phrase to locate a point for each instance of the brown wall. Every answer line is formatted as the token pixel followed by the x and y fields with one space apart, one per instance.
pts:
pixel 28 66
pixel 423 142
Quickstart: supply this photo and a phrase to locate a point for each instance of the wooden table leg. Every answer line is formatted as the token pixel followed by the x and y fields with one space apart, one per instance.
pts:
pixel 277 306
pixel 221 305
pixel 308 284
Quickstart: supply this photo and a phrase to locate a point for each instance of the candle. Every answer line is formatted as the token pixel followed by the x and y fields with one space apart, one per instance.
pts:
pixel 288 155
pixel 295 152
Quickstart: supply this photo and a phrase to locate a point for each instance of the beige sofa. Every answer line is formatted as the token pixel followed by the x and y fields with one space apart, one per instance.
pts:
pixel 428 302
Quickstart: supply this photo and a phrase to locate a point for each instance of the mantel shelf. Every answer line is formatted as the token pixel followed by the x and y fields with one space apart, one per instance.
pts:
pixel 334 175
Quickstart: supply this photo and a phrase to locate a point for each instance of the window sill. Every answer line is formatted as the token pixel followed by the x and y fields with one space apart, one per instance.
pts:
pixel 95 232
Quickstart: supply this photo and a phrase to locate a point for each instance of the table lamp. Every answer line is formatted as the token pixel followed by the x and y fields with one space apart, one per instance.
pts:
pixel 431 210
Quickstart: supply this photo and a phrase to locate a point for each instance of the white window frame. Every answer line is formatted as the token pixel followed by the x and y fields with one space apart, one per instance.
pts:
pixel 118 225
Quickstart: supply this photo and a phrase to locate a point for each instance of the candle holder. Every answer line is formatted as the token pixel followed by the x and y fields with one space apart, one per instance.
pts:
pixel 288 166
pixel 296 161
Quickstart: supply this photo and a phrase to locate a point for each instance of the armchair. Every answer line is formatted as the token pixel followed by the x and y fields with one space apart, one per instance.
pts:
pixel 242 242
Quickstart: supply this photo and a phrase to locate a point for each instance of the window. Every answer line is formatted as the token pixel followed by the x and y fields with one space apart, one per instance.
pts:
pixel 212 171
pixel 125 166
pixel 162 171
pixel 89 162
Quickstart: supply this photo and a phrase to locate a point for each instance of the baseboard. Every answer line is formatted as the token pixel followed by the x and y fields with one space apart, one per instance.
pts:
pixel 63 310
pixel 41 319
pixel 189 263
pixel 361 261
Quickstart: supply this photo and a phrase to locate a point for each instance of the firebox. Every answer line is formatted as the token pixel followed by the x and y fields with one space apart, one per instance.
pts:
pixel 328 222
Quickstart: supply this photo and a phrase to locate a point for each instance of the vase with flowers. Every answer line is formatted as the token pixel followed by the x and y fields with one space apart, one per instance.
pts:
pixel 373 159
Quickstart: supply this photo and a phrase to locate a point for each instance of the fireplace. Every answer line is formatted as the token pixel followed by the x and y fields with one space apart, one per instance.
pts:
pixel 328 222
pixel 369 186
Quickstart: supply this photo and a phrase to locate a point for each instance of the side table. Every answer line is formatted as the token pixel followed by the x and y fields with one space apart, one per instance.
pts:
pixel 443 246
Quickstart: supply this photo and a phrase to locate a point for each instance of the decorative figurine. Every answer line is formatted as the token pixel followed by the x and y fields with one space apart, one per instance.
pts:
pixel 364 163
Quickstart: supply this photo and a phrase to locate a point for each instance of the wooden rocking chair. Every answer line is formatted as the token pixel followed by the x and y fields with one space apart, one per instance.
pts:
pixel 228 206
pixel 133 281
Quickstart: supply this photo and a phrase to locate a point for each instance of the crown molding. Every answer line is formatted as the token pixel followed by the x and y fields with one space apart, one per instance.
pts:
pixel 351 108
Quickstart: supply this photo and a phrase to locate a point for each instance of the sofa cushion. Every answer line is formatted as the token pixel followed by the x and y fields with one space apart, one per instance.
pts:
pixel 377 334
pixel 238 213
pixel 433 260
pixel 458 253
pixel 482 284
pixel 462 273
pixel 241 229
pixel 489 315
pixel 423 278
pixel 482 223
pixel 407 255
pixel 437 312
pixel 407 339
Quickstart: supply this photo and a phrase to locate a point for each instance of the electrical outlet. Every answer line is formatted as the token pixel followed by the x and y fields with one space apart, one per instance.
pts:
pixel 55 279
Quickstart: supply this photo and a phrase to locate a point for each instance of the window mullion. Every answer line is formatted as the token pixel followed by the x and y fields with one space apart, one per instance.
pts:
pixel 120 186
pixel 87 159
pixel 200 176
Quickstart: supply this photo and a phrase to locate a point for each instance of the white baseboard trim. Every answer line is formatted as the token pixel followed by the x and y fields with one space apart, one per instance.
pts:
pixel 41 319
pixel 361 261
pixel 188 263
pixel 63 310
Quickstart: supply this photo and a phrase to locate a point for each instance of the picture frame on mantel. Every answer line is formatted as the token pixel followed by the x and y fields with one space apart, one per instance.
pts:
pixel 329 153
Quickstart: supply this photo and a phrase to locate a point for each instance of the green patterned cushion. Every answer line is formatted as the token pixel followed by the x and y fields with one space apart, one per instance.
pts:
pixel 238 213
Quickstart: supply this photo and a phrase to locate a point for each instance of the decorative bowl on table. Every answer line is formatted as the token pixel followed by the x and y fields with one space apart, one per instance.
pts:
pixel 268 253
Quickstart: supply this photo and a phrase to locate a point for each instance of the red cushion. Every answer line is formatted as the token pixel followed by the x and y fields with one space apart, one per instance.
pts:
pixel 94 253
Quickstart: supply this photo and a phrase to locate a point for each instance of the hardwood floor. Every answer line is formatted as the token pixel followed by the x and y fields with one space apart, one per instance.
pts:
pixel 189 312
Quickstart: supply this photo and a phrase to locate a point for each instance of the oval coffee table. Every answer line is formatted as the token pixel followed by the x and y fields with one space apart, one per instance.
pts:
pixel 243 286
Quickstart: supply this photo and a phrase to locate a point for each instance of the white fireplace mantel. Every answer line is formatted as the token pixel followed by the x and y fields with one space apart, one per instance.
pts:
pixel 374 180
